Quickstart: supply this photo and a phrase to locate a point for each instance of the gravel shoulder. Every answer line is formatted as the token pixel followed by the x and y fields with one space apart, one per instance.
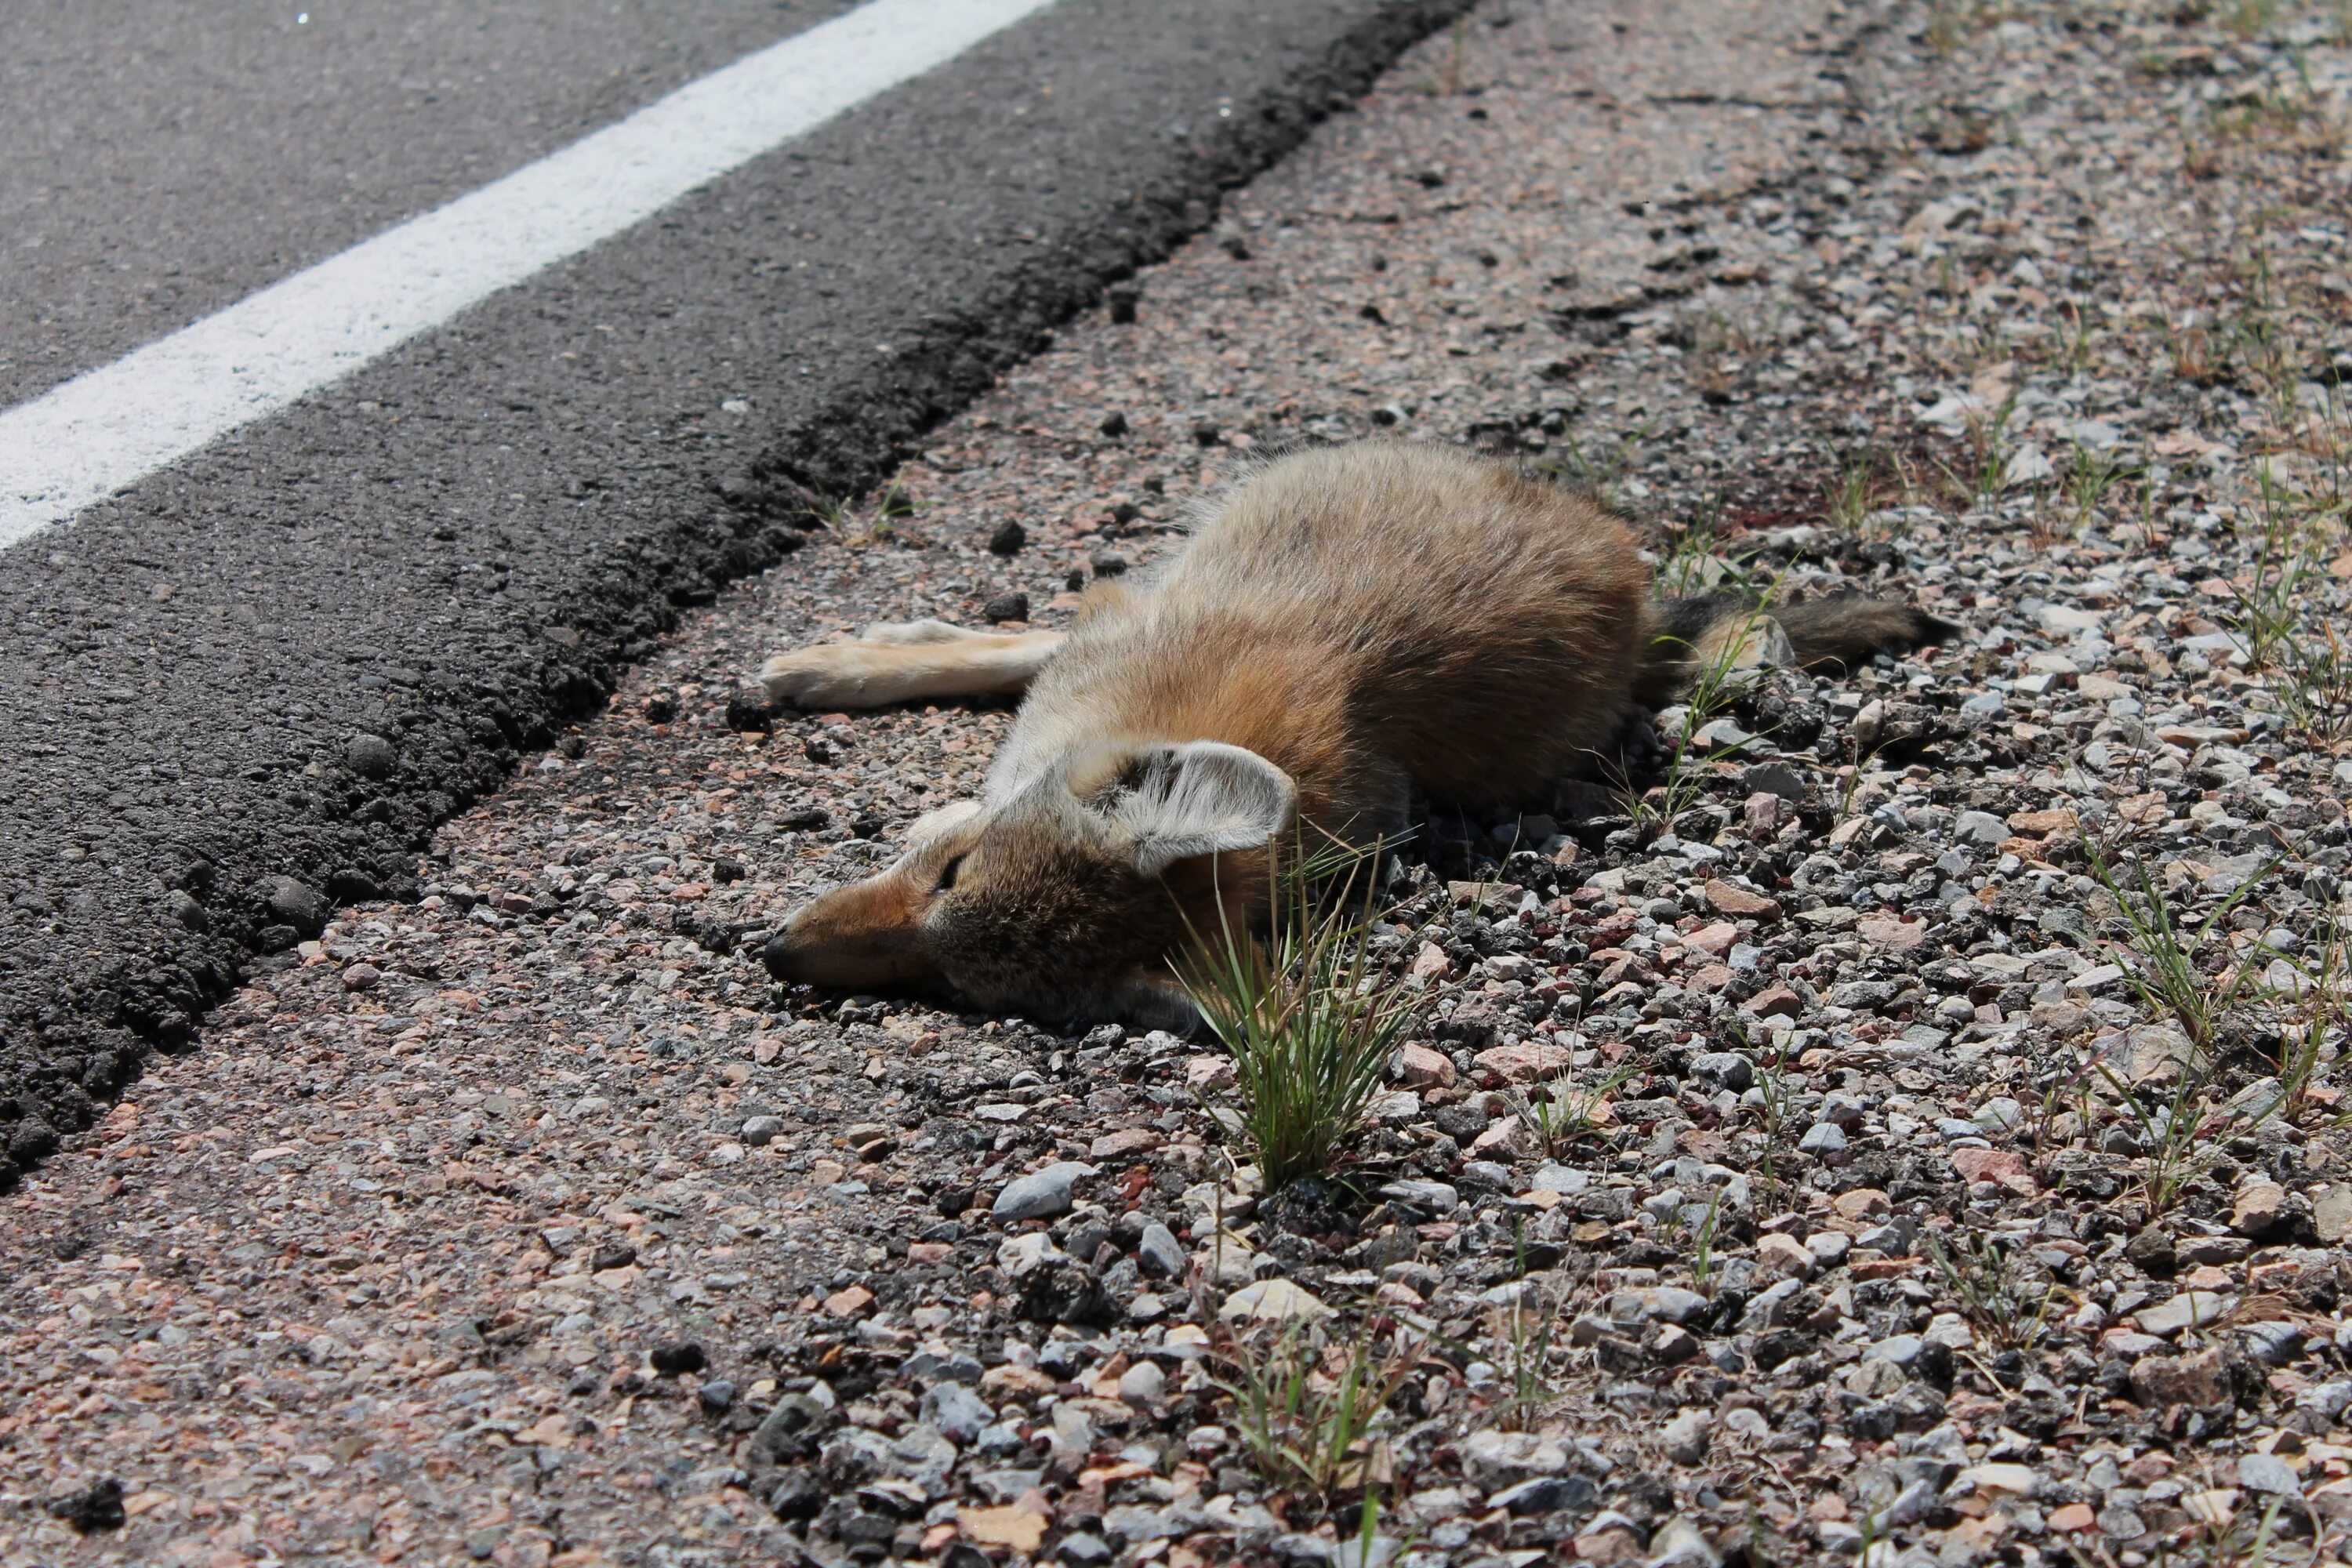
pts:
pixel 1787 1166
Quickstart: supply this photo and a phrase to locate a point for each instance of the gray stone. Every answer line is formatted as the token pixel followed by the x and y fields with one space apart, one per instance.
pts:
pixel 1685 1438
pixel 957 1411
pixel 1679 1544
pixel 1160 1253
pixel 1773 778
pixel 2268 1474
pixel 761 1131
pixel 2272 1342
pixel 1673 1304
pixel 1981 828
pixel 1546 1494
pixel 1431 1197
pixel 371 756
pixel 1822 1138
pixel 1724 1069
pixel 1136 1525
pixel 297 904
pixel 1041 1194
pixel 2186 1309
pixel 1142 1383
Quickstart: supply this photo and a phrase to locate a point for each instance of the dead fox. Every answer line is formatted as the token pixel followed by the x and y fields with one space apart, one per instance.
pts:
pixel 1344 625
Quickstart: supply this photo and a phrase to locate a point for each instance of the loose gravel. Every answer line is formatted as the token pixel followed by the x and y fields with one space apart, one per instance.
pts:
pixel 1785 1164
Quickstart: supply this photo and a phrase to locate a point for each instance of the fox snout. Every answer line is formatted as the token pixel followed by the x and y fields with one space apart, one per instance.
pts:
pixel 865 936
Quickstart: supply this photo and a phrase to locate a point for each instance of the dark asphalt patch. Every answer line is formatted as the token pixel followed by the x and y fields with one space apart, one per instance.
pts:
pixel 254 683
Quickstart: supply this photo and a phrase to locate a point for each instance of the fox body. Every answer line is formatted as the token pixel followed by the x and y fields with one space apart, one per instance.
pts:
pixel 1344 625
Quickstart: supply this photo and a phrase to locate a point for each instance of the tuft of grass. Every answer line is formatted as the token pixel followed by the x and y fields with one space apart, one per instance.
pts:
pixel 1308 1016
pixel 1712 677
pixel 1310 1412
pixel 1702 1265
pixel 2165 968
pixel 1528 1327
pixel 1557 1110
pixel 1999 1301
pixel 1859 491
pixel 1601 472
pixel 2314 687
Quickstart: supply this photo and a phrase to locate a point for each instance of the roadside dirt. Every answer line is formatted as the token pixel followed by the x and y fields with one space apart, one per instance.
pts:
pixel 1787 1165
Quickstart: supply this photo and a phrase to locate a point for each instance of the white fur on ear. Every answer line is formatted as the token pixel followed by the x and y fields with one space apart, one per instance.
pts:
pixel 932 824
pixel 1198 798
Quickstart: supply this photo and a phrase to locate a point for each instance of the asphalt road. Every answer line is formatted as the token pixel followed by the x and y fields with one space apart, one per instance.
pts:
pixel 255 681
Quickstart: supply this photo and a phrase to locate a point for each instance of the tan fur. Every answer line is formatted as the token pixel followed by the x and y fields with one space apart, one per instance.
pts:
pixel 1358 621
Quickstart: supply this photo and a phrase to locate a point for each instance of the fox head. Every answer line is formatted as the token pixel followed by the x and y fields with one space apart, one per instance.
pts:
pixel 1066 899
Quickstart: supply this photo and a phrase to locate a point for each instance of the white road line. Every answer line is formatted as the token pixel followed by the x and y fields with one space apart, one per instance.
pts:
pixel 112 427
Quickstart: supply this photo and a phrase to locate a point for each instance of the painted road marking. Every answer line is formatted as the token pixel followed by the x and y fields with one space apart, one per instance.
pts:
pixel 112 427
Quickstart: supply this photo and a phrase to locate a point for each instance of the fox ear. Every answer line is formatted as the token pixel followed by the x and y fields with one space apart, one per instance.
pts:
pixel 1176 802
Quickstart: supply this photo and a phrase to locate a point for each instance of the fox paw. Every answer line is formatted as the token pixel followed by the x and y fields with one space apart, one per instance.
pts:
pixel 827 674
pixel 906 634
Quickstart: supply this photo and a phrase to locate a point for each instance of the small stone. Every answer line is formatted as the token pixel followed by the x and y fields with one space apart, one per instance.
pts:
pixel 1776 779
pixel 1982 828
pixel 1142 1383
pixel 2185 1309
pixel 1041 1194
pixel 2073 1517
pixel 369 756
pixel 1785 1255
pixel 2017 1481
pixel 2261 1210
pixel 1861 1202
pixel 1685 1438
pixel 98 1506
pixel 1018 1528
pixel 1725 900
pixel 298 904
pixel 1028 1252
pixel 1421 1067
pixel 1820 1139
pixel 1679 1544
pixel 1008 539
pixel 957 1411
pixel 1005 607
pixel 2005 1166
pixel 2269 1475
pixel 762 1131
pixel 677 1356
pixel 1543 1494
pixel 1432 1198
pixel 1274 1302
pixel 1724 1069
pixel 2200 1381
pixel 1523 1063
pixel 2331 1214
pixel 1113 424
pixel 747 714
pixel 716 1395
pixel 1159 1254
pixel 361 977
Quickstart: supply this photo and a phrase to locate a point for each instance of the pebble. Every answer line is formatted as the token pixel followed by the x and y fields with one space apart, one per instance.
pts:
pixel 1160 1254
pixel 1041 1194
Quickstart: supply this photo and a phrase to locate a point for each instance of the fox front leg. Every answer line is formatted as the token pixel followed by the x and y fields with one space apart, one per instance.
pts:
pixel 936 661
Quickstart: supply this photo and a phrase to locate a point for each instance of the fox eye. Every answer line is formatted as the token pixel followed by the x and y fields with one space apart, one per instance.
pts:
pixel 948 875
